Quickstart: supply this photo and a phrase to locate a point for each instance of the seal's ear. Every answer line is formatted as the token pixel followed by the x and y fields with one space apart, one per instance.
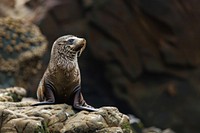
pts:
pixel 80 52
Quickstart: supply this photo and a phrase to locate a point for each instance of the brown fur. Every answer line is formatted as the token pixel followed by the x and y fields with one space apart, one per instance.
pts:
pixel 61 81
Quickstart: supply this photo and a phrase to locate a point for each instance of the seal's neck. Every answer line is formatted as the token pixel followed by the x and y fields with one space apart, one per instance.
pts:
pixel 63 62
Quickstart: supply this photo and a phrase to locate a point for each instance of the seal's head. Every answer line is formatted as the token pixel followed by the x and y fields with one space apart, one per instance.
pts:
pixel 68 47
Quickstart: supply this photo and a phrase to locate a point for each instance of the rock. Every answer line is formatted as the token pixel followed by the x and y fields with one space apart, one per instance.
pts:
pixel 29 10
pixel 110 130
pixel 17 117
pixel 12 94
pixel 156 130
pixel 61 118
pixel 136 123
pixel 22 47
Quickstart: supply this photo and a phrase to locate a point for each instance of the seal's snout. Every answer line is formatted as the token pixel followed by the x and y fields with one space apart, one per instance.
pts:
pixel 83 41
pixel 79 44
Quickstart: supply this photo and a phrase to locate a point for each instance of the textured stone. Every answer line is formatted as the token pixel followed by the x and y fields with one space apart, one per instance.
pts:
pixel 13 94
pixel 21 117
pixel 29 10
pixel 156 130
pixel 18 117
pixel 22 48
pixel 110 130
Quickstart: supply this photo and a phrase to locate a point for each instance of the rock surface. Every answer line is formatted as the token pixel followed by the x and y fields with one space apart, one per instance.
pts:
pixel 18 117
pixel 12 94
pixel 29 10
pixel 22 47
pixel 156 130
pixel 21 117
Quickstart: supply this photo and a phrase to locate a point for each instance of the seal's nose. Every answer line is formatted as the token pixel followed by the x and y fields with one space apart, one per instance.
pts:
pixel 80 43
pixel 84 41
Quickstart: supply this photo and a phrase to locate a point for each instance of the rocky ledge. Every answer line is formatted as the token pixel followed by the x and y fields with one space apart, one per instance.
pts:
pixel 21 117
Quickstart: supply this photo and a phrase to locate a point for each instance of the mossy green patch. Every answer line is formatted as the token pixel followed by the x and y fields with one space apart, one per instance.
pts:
pixel 42 129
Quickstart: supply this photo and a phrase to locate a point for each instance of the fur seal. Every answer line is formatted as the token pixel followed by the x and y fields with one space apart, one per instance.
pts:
pixel 61 82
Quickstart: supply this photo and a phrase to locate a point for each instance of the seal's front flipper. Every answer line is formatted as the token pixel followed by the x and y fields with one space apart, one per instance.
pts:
pixel 49 97
pixel 80 104
pixel 87 107
pixel 43 103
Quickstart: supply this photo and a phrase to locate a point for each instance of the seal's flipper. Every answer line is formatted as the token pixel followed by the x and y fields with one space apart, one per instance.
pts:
pixel 43 103
pixel 80 104
pixel 49 95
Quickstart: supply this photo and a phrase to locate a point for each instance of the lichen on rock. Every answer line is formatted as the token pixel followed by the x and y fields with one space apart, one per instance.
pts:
pixel 60 118
pixel 12 94
pixel 18 117
pixel 107 119
pixel 22 46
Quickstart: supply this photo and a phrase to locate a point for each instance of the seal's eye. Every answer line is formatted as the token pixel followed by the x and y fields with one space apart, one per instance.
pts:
pixel 70 41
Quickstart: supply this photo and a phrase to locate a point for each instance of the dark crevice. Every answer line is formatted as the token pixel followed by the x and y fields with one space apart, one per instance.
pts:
pixel 1 120
pixel 25 126
pixel 16 129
